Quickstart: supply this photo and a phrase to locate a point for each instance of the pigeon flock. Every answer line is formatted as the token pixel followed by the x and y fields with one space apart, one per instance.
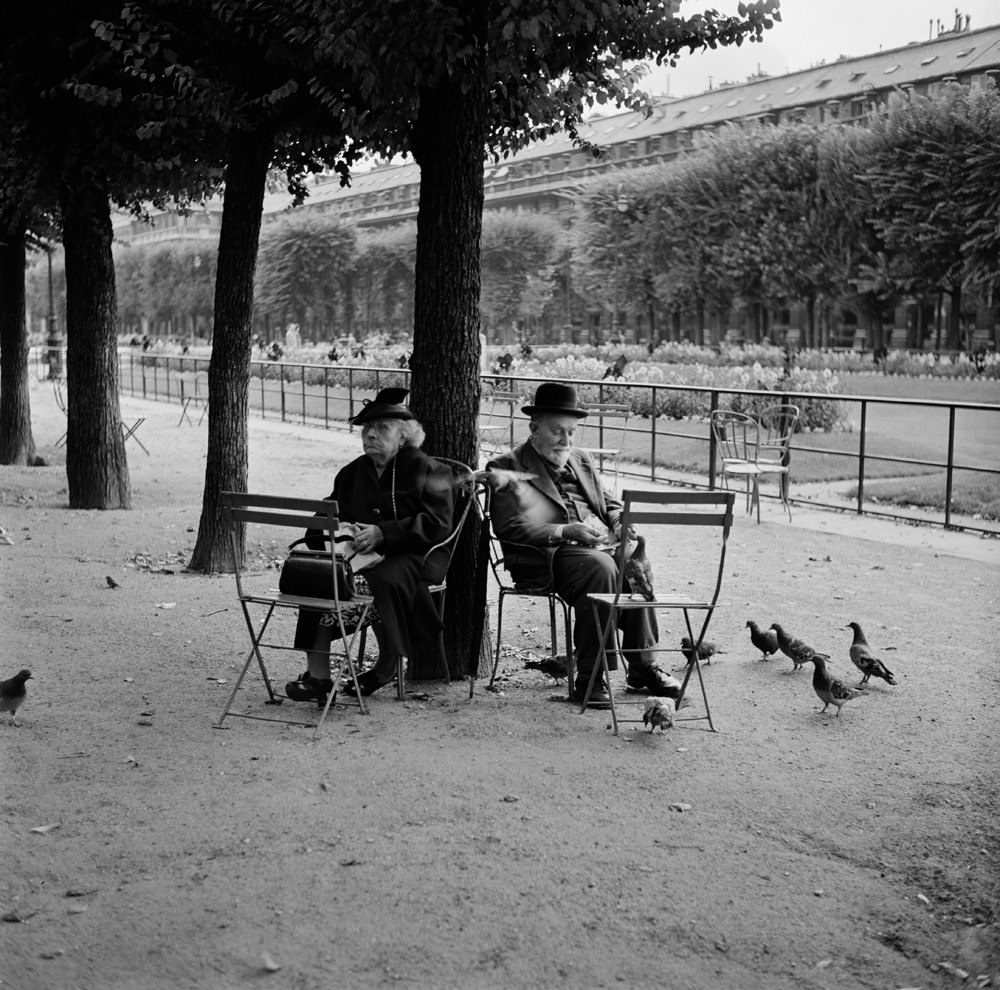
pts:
pixel 829 689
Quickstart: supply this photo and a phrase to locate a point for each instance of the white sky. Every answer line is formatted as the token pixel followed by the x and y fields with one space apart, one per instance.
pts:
pixel 813 31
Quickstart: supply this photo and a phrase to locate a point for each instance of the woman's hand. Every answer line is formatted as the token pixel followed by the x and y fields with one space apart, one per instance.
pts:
pixel 367 538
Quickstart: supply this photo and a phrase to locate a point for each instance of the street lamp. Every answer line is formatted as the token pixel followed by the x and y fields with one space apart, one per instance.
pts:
pixel 622 204
pixel 54 338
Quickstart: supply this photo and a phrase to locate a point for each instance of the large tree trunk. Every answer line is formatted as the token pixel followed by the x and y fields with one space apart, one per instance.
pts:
pixel 96 463
pixel 232 345
pixel 17 445
pixel 449 139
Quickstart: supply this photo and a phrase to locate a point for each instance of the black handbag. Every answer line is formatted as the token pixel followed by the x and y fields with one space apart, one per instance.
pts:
pixel 307 573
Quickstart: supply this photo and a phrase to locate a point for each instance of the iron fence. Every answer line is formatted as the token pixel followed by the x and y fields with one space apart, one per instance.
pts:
pixel 658 448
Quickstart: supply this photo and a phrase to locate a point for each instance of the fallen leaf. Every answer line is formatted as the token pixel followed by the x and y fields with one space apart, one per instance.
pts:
pixel 165 605
pixel 680 806
pixel 267 961
pixel 45 829
pixel 76 909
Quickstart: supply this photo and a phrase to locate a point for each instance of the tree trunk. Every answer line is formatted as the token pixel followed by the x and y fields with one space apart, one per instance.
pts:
pixel 17 445
pixel 449 138
pixel 96 462
pixel 229 367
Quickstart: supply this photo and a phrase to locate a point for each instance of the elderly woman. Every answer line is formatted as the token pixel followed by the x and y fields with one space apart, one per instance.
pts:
pixel 401 501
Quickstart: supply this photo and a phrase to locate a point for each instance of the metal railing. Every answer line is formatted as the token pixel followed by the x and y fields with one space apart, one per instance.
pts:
pixel 329 395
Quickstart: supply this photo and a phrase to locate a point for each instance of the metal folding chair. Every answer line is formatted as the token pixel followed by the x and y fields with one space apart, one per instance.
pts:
pixel 602 434
pixel 507 588
pixel 57 391
pixel 778 424
pixel 191 383
pixel 496 428
pixel 711 512
pixel 128 432
pixel 300 514
pixel 738 439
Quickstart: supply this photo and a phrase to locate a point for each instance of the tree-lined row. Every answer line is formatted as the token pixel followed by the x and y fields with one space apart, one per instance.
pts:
pixel 771 217
pixel 762 219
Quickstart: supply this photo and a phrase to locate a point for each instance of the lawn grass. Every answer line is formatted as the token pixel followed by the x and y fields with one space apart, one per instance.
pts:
pixel 973 495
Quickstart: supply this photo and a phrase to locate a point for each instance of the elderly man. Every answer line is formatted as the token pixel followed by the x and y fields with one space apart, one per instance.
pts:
pixel 570 523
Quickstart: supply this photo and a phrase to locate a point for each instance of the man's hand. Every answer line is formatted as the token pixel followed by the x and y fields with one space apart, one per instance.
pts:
pixel 583 535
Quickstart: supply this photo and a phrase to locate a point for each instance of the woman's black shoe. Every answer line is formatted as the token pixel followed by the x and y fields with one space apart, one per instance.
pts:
pixel 368 682
pixel 309 688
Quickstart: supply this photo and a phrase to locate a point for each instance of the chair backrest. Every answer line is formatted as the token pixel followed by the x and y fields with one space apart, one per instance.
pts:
pixel 280 510
pixel 463 481
pixel 497 560
pixel 497 424
pixel 778 424
pixel 605 427
pixel 708 510
pixel 737 435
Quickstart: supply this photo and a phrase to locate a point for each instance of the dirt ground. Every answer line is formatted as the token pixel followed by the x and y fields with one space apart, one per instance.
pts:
pixel 502 841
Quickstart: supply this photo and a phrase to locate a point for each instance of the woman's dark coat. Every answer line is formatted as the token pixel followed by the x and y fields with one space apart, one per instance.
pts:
pixel 411 503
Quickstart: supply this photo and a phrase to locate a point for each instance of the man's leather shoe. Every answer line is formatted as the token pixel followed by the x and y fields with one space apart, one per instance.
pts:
pixel 661 684
pixel 599 697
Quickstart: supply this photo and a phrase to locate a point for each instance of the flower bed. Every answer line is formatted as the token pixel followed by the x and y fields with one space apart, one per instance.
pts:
pixel 817 414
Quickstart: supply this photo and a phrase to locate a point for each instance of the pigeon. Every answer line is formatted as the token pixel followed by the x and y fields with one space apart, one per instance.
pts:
pixel 828 689
pixel 797 651
pixel 13 692
pixel 555 667
pixel 638 571
pixel 862 658
pixel 112 583
pixel 766 640
pixel 658 712
pixel 706 650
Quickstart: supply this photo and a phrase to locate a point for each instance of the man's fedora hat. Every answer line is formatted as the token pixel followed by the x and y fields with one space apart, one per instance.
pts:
pixel 555 397
pixel 387 404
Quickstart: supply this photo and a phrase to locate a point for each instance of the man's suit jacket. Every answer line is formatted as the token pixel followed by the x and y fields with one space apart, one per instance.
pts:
pixel 528 512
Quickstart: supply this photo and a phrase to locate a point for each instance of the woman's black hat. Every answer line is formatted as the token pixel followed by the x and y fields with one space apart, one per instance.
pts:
pixel 387 404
